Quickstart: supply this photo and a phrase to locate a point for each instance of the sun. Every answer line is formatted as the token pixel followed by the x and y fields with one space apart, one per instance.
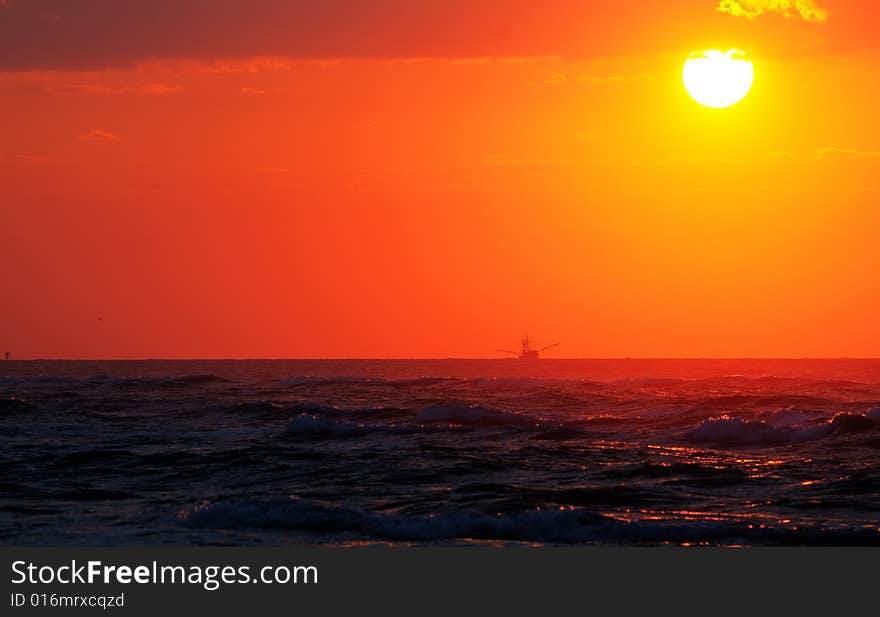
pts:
pixel 716 79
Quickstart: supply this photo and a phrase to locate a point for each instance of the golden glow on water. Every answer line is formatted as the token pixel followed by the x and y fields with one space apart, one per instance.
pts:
pixel 752 513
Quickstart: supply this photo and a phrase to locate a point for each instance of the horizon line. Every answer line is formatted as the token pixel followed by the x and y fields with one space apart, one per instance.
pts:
pixel 433 359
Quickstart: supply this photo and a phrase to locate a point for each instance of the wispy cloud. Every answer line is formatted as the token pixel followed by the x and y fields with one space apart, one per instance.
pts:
pixel 559 79
pixel 283 32
pixel 847 152
pixel 99 136
pixel 601 79
pixel 101 90
pixel 31 159
pixel 793 9
pixel 251 65
pixel 157 89
pixel 262 91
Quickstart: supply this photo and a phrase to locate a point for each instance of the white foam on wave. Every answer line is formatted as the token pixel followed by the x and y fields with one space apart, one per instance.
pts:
pixel 549 525
pixel 563 525
pixel 792 417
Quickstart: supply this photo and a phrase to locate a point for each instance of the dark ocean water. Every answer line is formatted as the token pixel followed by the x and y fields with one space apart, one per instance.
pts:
pixel 644 452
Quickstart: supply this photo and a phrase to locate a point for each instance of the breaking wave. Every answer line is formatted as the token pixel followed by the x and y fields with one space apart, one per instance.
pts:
pixel 552 526
pixel 393 452
pixel 727 430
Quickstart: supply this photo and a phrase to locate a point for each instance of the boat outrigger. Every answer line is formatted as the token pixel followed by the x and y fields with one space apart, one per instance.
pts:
pixel 526 352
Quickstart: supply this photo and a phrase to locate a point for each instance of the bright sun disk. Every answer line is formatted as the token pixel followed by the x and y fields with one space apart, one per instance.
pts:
pixel 716 79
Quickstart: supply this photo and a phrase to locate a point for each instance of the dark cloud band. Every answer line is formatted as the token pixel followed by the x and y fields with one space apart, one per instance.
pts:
pixel 90 34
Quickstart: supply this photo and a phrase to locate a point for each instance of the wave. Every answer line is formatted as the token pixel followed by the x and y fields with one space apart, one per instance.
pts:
pixel 759 401
pixel 533 382
pixel 303 515
pixel 564 432
pixel 727 430
pixel 647 382
pixel 14 405
pixel 793 417
pixel 306 380
pixel 314 425
pixel 333 423
pixel 566 525
pixel 246 407
pixel 472 415
pixel 479 382
pixel 325 426
pixel 161 380
pixel 39 379
pixel 307 417
pixel 117 380
pixel 677 469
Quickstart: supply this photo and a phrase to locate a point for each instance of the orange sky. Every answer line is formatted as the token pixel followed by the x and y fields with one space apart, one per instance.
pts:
pixel 280 179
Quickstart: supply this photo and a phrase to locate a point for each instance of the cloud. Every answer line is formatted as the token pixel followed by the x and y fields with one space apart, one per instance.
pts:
pixel 99 136
pixel 792 9
pixel 262 91
pixel 612 79
pixel 99 90
pixel 31 159
pixel 828 152
pixel 593 80
pixel 225 34
pixel 156 89
pixel 251 65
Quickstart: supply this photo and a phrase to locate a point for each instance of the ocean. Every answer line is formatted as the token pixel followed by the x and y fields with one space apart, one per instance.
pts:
pixel 440 452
